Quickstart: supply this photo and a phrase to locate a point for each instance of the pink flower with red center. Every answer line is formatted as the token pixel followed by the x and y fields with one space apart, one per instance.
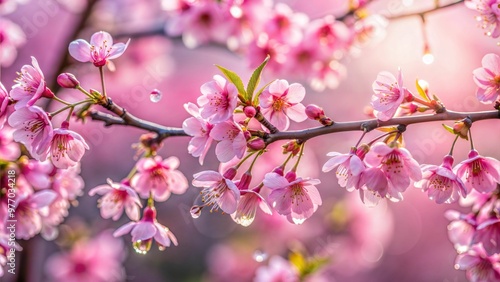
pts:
pixel 281 102
pixel 145 230
pixel 29 211
pixel 4 102
pixel 285 25
pixel 398 167
pixel 489 17
pixel 487 79
pixel 199 129
pixel 461 230
pixel 116 198
pixel 349 168
pixel 99 259
pixel 441 183
pixel 219 191
pixel 247 207
pixel 478 266
pixel 488 233
pixel 295 198
pixel 232 142
pixel 159 177
pixel 389 94
pixel 67 147
pixel 30 86
pixel 373 186
pixel 479 173
pixel 100 50
pixel 218 100
pixel 9 150
pixel 278 269
pixel 34 129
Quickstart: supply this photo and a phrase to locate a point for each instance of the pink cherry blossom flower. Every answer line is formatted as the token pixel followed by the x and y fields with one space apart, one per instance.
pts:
pixel 13 37
pixel 389 94
pixel 145 230
pixel 285 25
pixel 218 100
pixel 199 129
pixel 9 150
pixel 296 198
pixel 479 173
pixel 159 177
pixel 461 230
pixel 6 250
pixel 398 167
pixel 261 47
pixel 99 259
pixel 218 190
pixel 373 186
pixel 281 101
pixel 29 210
pixel 100 50
pixel 488 233
pixel 478 266
pixel 278 269
pixel 247 207
pixel 30 86
pixel 53 216
pixel 37 173
pixel 4 102
pixel 67 147
pixel 68 183
pixel 34 129
pixel 441 183
pixel 487 79
pixel 116 198
pixel 231 141
pixel 349 167
pixel 489 17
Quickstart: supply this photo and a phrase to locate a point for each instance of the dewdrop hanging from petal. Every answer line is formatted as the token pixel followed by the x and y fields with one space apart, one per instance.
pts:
pixel 155 96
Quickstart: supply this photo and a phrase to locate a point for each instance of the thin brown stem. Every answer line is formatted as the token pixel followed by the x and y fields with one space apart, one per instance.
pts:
pixel 425 12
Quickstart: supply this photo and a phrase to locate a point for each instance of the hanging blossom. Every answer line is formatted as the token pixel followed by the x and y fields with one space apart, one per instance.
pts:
pixel 116 198
pixel 232 142
pixel 4 102
pixel 487 79
pixel 199 129
pixel 247 207
pixel 478 266
pixel 280 102
pixel 159 177
pixel 479 173
pixel 99 51
pixel 219 191
pixel 295 198
pixel 461 229
pixel 489 17
pixel 145 230
pixel 349 168
pixel 30 86
pixel 218 100
pixel 32 128
pixel 67 147
pixel 29 209
pixel 389 94
pixel 441 183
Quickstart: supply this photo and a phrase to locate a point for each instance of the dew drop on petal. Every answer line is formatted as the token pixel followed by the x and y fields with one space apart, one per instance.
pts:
pixel 155 96
pixel 161 248
pixel 139 248
pixel 195 211
pixel 259 256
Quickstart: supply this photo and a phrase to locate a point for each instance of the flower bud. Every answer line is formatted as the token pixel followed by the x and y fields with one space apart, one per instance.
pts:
pixel 291 147
pixel 314 112
pixel 247 135
pixel 230 173
pixel 249 111
pixel 291 176
pixel 245 180
pixel 279 170
pixel 47 93
pixel 67 80
pixel 256 144
pixel 461 127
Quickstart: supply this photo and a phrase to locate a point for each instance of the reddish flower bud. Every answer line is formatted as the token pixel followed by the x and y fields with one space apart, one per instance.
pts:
pixel 249 111
pixel 245 180
pixel 256 144
pixel 67 80
pixel 314 112
pixel 291 176
pixel 461 127
pixel 247 135
pixel 279 170
pixel 230 173
pixel 291 147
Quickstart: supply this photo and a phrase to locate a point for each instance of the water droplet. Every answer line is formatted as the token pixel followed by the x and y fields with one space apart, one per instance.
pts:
pixel 196 211
pixel 259 256
pixel 161 248
pixel 155 96
pixel 140 247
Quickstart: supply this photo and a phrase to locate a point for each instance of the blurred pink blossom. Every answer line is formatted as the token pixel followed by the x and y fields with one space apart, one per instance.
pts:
pixel 295 198
pixel 478 266
pixel 34 129
pixel 29 210
pixel 4 102
pixel 218 100
pixel 116 198
pixel 53 217
pixel 278 269
pixel 461 230
pixel 281 101
pixel 100 50
pixel 68 183
pixel 145 230
pixel 30 86
pixel 9 150
pixel 488 234
pixel 160 177
pixel 487 79
pixel 37 173
pixel 12 37
pixel 98 259
pixel 479 173
pixel 489 15
pixel 285 24
pixel 7 248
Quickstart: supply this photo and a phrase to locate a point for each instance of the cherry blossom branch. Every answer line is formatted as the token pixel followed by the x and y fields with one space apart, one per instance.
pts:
pixel 421 13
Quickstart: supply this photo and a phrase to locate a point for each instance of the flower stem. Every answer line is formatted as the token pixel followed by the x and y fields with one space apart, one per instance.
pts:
pixel 361 138
pixel 244 159
pixel 61 100
pixel 101 73
pixel 453 145
pixel 70 106
pixel 253 161
pixel 471 142
pixel 300 156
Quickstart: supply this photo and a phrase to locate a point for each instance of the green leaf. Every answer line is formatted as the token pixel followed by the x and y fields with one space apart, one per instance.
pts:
pixel 234 78
pixel 422 92
pixel 255 79
pixel 449 129
pixel 388 129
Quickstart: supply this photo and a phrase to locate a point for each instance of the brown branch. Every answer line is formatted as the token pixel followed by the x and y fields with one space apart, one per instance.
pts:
pixel 422 13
